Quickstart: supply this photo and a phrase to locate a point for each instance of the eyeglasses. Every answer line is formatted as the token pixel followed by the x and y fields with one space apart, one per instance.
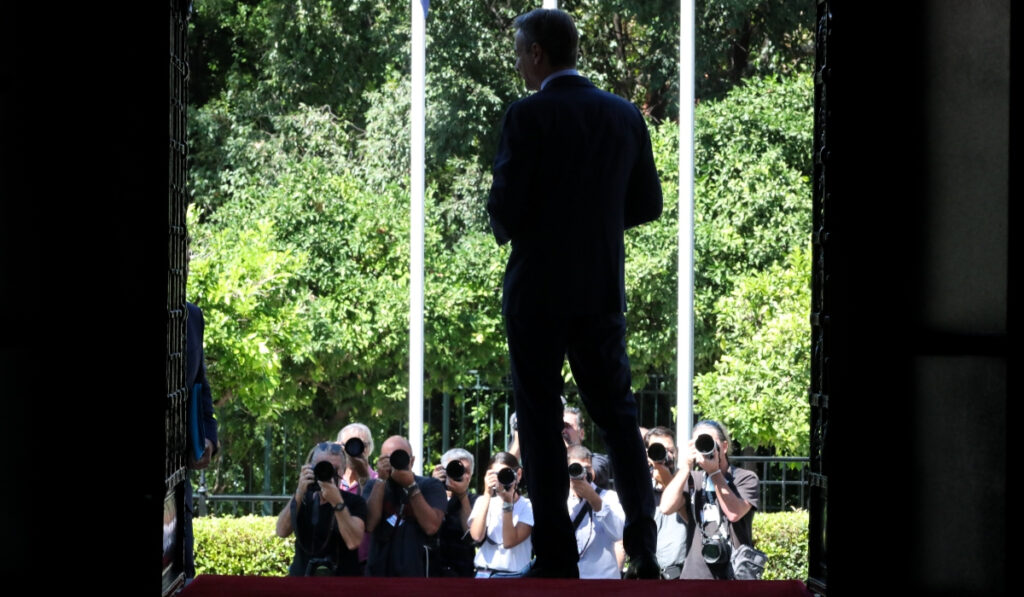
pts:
pixel 330 446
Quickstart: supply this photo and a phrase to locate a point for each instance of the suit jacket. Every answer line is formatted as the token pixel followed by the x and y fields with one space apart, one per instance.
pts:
pixel 574 169
pixel 195 370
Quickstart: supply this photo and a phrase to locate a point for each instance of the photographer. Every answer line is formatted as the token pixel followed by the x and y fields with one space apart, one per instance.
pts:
pixel 672 535
pixel 597 518
pixel 457 548
pixel 358 447
pixel 405 512
pixel 722 502
pixel 502 522
pixel 328 523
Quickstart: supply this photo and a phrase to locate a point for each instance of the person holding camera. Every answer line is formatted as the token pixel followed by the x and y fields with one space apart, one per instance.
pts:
pixel 501 523
pixel 405 512
pixel 358 447
pixel 722 501
pixel 672 543
pixel 597 517
pixel 328 523
pixel 456 547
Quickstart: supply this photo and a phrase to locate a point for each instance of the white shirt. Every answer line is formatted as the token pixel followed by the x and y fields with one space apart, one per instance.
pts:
pixel 492 554
pixel 597 533
pixel 560 73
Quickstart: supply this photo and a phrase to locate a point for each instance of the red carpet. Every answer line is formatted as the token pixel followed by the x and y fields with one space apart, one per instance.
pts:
pixel 264 586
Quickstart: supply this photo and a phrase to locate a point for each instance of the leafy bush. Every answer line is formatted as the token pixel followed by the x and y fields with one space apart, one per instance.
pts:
pixel 244 546
pixel 248 546
pixel 783 536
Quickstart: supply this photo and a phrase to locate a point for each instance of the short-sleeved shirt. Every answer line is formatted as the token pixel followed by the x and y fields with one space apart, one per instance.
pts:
pixel 457 548
pixel 399 546
pixel 672 537
pixel 745 484
pixel 317 536
pixel 597 533
pixel 492 555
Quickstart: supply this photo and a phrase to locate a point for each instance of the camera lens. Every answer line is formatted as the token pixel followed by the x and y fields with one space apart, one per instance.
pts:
pixel 455 470
pixel 657 452
pixel 323 471
pixel 705 444
pixel 506 477
pixel 400 460
pixel 576 471
pixel 354 446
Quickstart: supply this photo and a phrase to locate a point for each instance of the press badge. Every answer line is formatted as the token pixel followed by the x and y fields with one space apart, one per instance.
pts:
pixel 711 513
pixel 394 521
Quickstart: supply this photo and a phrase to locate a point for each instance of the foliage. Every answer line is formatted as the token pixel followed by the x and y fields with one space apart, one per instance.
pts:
pixel 244 546
pixel 248 545
pixel 783 536
pixel 757 387
pixel 299 149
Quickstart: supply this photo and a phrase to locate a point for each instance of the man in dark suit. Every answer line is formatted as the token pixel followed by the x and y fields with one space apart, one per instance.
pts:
pixel 574 169
pixel 195 380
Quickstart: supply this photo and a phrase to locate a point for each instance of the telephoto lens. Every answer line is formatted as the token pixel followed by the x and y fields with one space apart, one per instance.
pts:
pixel 705 444
pixel 400 460
pixel 507 477
pixel 657 452
pixel 323 471
pixel 576 471
pixel 455 470
pixel 354 446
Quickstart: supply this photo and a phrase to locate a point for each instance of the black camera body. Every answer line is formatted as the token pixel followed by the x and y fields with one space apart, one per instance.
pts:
pixel 322 471
pixel 400 460
pixel 715 549
pixel 354 446
pixel 455 470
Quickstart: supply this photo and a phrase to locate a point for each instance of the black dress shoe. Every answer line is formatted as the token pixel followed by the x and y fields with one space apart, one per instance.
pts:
pixel 561 571
pixel 640 568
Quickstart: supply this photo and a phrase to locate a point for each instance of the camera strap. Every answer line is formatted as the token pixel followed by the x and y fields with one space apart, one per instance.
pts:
pixel 710 498
pixel 584 511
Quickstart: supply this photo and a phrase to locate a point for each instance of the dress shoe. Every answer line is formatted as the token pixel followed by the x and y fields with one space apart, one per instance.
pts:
pixel 639 568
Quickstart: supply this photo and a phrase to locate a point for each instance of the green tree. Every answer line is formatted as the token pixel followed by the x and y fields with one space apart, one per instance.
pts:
pixel 758 387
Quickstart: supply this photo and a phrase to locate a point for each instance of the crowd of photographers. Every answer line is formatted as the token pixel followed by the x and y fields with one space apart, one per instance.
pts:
pixel 350 518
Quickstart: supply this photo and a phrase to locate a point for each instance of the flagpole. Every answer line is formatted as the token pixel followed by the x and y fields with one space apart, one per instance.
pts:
pixel 684 331
pixel 417 126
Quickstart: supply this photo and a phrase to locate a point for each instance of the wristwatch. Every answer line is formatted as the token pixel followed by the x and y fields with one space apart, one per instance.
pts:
pixel 339 506
pixel 411 490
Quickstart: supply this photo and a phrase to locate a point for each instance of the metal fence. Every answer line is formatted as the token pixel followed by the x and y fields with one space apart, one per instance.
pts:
pixel 783 488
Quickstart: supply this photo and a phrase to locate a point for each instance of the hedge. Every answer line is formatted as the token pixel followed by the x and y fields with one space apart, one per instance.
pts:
pixel 248 545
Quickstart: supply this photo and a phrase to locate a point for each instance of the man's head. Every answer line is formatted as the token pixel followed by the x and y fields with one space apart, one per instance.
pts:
pixel 461 455
pixel 546 42
pixel 664 436
pixel 584 458
pixel 717 432
pixel 396 442
pixel 357 430
pixel 572 426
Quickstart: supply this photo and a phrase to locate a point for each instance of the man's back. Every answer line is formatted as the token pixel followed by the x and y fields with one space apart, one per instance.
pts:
pixel 573 171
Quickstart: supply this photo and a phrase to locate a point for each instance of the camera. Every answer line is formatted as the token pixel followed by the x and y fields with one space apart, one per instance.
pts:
pixel 577 472
pixel 507 478
pixel 455 470
pixel 657 453
pixel 706 445
pixel 715 550
pixel 400 460
pixel 323 471
pixel 354 446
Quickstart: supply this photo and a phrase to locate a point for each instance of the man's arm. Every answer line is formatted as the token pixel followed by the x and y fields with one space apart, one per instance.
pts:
pixel 427 515
pixel 643 198
pixel 506 203
pixel 374 504
pixel 673 497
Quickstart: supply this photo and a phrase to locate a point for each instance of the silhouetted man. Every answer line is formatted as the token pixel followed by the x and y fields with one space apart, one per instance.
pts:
pixel 574 169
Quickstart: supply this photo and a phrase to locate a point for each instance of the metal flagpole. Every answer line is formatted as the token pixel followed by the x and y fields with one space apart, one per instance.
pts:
pixel 684 341
pixel 419 18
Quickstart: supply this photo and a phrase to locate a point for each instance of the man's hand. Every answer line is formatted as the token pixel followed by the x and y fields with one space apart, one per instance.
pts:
pixel 403 478
pixel 306 479
pixel 360 466
pixel 204 461
pixel 439 473
pixel 661 473
pixel 384 468
pixel 458 488
pixel 329 492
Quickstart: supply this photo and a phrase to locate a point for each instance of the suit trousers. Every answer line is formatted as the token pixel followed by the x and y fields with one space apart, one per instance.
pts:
pixel 596 349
